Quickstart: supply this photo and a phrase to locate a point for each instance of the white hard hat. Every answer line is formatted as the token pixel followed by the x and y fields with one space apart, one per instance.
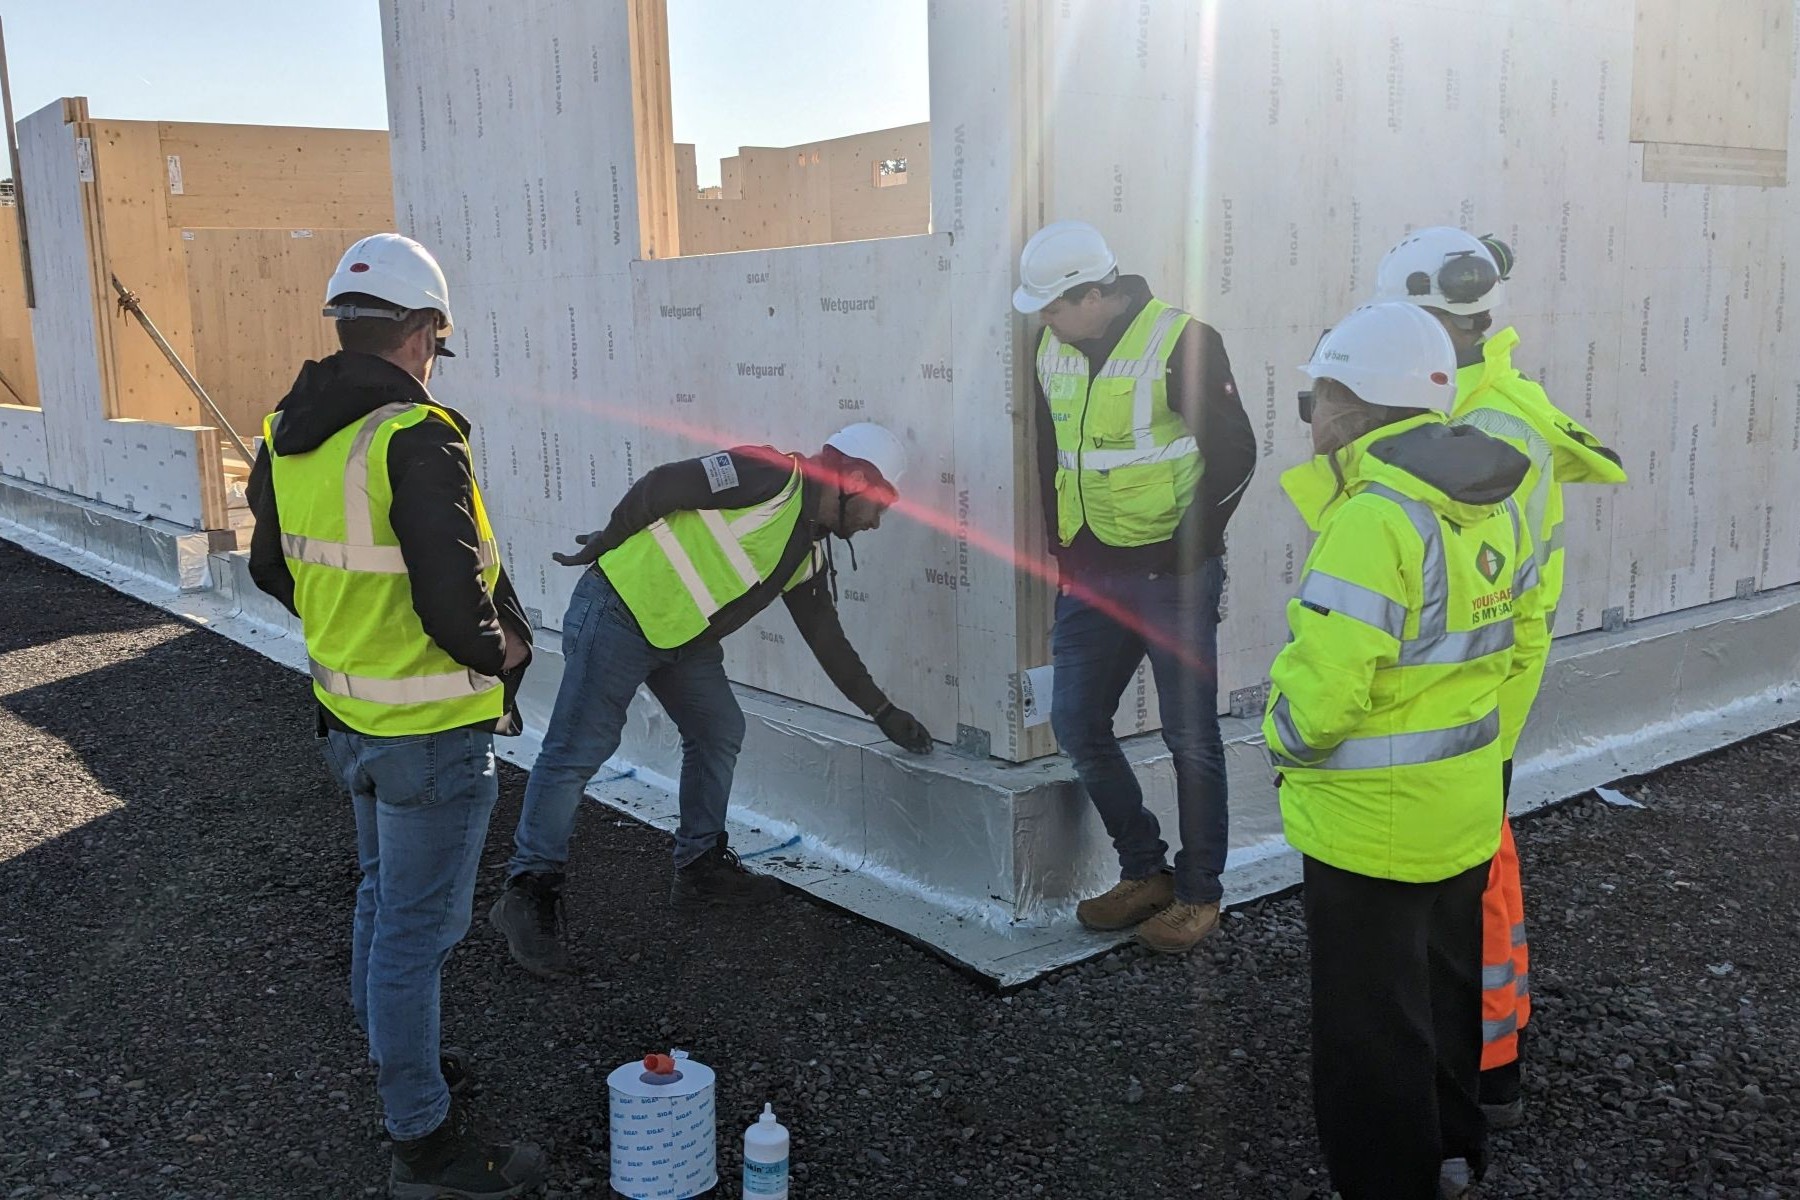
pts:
pixel 1394 353
pixel 873 444
pixel 1445 268
pixel 392 268
pixel 1061 255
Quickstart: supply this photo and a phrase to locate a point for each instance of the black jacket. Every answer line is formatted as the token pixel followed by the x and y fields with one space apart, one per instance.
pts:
pixel 1203 392
pixel 738 478
pixel 432 513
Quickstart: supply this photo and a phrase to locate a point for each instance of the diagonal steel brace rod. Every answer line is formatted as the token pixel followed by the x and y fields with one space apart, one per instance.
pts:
pixel 128 302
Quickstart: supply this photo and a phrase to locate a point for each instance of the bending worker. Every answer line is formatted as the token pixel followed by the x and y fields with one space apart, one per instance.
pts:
pixel 370 529
pixel 1419 600
pixel 694 550
pixel 1143 453
pixel 1460 279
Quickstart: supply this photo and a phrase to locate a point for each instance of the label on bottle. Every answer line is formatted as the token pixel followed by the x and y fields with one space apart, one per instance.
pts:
pixel 765 1178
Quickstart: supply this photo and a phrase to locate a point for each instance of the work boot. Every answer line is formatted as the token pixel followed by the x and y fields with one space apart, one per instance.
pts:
pixel 455 1162
pixel 1454 1179
pixel 454 1065
pixel 719 877
pixel 530 913
pixel 1128 902
pixel 1179 927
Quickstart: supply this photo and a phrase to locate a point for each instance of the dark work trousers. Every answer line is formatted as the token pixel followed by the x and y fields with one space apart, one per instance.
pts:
pixel 1502 1085
pixel 1396 1027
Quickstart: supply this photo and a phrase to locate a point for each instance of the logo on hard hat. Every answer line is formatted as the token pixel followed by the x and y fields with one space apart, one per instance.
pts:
pixel 358 268
pixel 1439 377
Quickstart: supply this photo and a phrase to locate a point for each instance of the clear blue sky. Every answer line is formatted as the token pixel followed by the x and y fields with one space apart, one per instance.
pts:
pixel 768 72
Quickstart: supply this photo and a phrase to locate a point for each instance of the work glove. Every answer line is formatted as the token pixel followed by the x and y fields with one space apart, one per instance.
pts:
pixel 590 550
pixel 903 729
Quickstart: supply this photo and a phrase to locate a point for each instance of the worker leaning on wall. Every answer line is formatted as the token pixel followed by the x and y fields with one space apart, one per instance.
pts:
pixel 693 552
pixel 1419 600
pixel 1460 279
pixel 371 529
pixel 1144 451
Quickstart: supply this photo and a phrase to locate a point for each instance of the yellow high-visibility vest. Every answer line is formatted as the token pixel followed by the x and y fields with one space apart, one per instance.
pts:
pixel 1126 464
pixel 373 665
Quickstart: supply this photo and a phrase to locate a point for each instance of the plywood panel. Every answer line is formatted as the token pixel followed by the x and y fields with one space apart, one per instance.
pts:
pixel 18 362
pixel 138 247
pixel 1713 75
pixel 255 296
pixel 264 176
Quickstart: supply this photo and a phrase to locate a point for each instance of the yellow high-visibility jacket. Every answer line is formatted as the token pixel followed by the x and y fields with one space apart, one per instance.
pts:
pixel 1420 598
pixel 1494 397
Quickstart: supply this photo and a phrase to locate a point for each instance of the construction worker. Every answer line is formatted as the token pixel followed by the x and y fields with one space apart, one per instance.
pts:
pixel 1143 454
pixel 693 551
pixel 370 528
pixel 1460 279
pixel 1420 598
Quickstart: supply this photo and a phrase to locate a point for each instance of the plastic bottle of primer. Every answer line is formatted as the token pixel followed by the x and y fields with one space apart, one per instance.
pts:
pixel 766 1157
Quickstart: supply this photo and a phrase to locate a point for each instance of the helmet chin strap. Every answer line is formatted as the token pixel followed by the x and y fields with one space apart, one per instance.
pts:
pixel 843 504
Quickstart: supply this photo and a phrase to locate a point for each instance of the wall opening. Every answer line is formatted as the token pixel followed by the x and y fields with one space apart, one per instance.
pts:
pixel 795 122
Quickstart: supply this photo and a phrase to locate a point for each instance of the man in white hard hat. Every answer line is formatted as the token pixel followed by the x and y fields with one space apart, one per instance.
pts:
pixel 1419 601
pixel 1143 452
pixel 693 551
pixel 1460 279
pixel 371 529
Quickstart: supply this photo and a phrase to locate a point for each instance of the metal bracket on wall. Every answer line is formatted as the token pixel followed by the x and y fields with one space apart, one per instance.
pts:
pixel 535 616
pixel 972 742
pixel 1248 703
pixel 1612 620
pixel 1746 588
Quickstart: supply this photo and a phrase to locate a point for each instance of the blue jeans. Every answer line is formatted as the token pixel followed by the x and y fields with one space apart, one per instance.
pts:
pixel 605 659
pixel 422 807
pixel 1101 636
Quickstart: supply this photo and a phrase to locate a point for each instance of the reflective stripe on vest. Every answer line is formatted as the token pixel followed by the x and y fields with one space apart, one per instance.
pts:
pixel 1412 749
pixel 358 552
pixel 1497 975
pixel 1537 449
pixel 414 689
pixel 1434 644
pixel 1355 601
pixel 727 535
pixel 371 560
pixel 1493 1031
pixel 1112 460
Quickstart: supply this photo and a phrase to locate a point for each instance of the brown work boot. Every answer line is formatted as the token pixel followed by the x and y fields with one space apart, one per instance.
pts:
pixel 1129 902
pixel 1179 927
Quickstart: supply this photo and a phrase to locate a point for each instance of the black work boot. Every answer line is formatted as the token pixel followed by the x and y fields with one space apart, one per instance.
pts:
pixel 459 1077
pixel 719 878
pixel 455 1162
pixel 530 914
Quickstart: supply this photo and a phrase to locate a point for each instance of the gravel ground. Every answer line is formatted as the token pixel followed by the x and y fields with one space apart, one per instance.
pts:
pixel 176 880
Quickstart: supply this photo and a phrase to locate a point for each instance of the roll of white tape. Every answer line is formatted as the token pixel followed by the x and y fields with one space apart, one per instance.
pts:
pixel 664 1134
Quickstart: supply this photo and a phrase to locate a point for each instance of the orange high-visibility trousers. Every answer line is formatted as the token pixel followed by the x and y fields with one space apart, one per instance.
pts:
pixel 1505 958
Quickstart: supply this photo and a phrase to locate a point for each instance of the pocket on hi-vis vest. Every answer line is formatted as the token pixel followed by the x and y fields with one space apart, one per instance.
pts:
pixel 1143 503
pixel 721 472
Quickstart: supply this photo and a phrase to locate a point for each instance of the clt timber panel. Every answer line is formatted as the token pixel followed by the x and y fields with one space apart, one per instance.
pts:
pixel 18 364
pixel 1253 162
pixel 255 295
pixel 268 176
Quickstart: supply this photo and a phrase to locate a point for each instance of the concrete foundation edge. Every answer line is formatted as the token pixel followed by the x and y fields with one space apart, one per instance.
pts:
pixel 982 861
